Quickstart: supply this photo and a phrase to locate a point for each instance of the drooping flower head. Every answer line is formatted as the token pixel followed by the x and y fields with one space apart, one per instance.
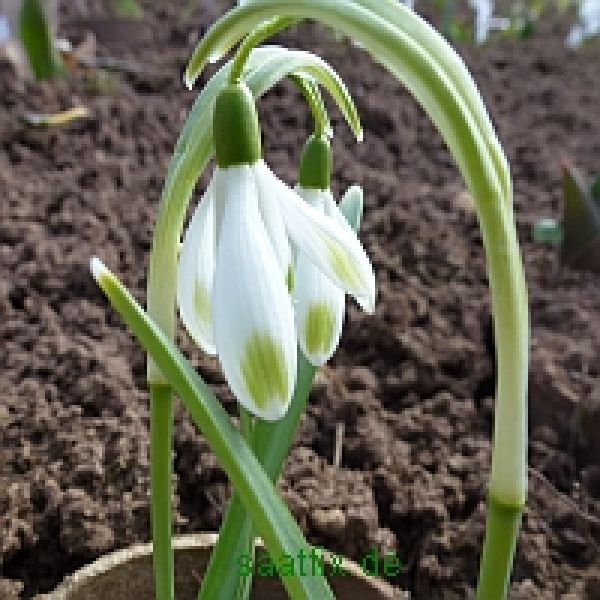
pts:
pixel 319 301
pixel 235 262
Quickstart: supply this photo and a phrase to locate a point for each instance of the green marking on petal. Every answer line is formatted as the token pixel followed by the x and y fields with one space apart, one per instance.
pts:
pixel 319 328
pixel 289 278
pixel 201 302
pixel 264 370
pixel 342 266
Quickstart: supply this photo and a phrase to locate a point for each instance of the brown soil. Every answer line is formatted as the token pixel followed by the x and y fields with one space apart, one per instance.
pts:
pixel 413 385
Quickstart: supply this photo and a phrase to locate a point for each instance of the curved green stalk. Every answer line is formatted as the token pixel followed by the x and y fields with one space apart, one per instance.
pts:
pixel 212 48
pixel 432 88
pixel 312 96
pixel 257 37
pixel 461 118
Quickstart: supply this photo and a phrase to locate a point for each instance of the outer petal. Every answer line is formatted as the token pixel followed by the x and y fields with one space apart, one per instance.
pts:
pixel 319 305
pixel 253 318
pixel 333 248
pixel 271 216
pixel 195 274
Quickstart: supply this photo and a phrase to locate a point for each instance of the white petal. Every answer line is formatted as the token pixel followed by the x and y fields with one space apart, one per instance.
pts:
pixel 252 316
pixel 319 305
pixel 333 210
pixel 271 216
pixel 333 248
pixel 195 274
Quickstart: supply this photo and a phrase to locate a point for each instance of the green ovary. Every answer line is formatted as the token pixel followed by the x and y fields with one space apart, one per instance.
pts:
pixel 343 267
pixel 319 328
pixel 201 303
pixel 264 370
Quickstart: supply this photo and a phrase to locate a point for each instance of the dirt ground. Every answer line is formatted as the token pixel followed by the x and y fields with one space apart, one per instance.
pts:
pixel 413 384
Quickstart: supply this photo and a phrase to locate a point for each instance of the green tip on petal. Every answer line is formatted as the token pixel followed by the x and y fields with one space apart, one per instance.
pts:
pixel 289 278
pixel 201 302
pixel 343 267
pixel 319 328
pixel 264 370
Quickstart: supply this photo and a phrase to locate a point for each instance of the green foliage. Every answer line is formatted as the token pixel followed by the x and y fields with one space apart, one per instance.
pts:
pixel 127 8
pixel 547 231
pixel 581 221
pixel 36 37
pixel 595 190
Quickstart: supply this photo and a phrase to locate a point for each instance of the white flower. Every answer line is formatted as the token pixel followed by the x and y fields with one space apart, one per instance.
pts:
pixel 319 303
pixel 233 271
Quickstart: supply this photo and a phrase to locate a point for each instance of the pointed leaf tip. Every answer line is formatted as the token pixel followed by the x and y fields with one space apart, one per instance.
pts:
pixel 98 268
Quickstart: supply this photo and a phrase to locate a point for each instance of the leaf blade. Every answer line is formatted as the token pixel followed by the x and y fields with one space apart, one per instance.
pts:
pixel 272 518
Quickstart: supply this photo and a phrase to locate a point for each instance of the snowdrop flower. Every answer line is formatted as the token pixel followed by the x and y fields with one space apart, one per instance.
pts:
pixel 319 301
pixel 235 262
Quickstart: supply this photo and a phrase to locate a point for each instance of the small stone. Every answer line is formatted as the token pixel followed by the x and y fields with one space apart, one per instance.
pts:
pixel 331 522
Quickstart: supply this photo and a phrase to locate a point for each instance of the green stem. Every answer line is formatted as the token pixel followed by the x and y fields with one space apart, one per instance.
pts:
pixel 242 592
pixel 501 531
pixel 161 439
pixel 271 445
pixel 257 37
pixel 310 91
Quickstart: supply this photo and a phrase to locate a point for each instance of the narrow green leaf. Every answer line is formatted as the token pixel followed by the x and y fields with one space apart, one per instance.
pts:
pixel 271 517
pixel 36 38
pixel 271 443
pixel 581 222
